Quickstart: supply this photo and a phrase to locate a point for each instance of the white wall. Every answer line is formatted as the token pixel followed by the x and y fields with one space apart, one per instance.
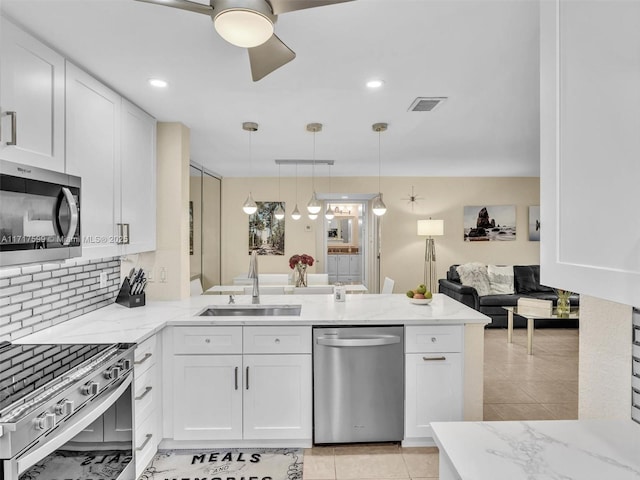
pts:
pixel 402 250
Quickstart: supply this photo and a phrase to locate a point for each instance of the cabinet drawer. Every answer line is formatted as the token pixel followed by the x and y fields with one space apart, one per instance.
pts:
pixel 145 391
pixel 144 355
pixel 194 340
pixel 433 338
pixel 280 339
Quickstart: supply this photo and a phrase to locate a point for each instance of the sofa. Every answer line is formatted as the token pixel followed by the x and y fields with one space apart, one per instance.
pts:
pixel 526 283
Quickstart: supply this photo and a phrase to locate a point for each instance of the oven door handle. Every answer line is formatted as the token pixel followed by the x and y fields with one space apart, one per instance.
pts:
pixel 73 220
pixel 46 445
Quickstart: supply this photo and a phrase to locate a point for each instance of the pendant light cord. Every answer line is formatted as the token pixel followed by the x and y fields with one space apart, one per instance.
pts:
pixel 250 155
pixel 379 162
pixel 296 184
pixel 279 166
pixel 313 165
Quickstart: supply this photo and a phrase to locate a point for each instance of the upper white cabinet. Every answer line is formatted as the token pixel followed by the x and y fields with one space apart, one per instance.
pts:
pixel 111 145
pixel 590 148
pixel 138 179
pixel 31 100
pixel 93 153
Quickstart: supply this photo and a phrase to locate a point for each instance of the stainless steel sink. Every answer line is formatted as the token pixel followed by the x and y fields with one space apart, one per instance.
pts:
pixel 250 310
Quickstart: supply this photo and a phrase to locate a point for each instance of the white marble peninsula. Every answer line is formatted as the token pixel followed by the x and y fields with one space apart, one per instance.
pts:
pixel 539 450
pixel 179 339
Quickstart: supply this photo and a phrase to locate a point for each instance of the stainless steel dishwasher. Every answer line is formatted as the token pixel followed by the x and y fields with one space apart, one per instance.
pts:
pixel 358 384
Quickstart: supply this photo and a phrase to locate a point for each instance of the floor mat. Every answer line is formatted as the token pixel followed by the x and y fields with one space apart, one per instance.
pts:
pixel 226 464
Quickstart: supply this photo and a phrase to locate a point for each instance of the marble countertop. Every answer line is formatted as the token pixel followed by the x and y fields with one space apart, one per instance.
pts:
pixel 542 450
pixel 116 323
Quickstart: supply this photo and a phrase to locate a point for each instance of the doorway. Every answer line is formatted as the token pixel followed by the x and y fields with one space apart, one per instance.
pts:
pixel 350 240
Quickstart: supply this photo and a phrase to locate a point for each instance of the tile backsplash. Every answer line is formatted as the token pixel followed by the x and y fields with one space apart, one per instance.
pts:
pixel 34 297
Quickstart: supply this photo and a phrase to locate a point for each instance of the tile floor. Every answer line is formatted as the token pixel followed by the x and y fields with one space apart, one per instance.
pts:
pixel 517 386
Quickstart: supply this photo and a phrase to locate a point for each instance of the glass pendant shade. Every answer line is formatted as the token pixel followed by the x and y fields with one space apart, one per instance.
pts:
pixel 313 216
pixel 378 206
pixel 329 215
pixel 314 206
pixel 296 213
pixel 279 212
pixel 249 207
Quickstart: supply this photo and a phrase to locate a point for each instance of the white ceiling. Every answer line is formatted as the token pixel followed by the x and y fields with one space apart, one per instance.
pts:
pixel 481 54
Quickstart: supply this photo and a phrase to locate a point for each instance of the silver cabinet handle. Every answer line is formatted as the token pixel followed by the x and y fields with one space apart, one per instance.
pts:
pixel 73 221
pixel 430 359
pixel 236 377
pixel 144 444
pixel 146 390
pixel 14 128
pixel 125 234
pixel 247 378
pixel 372 341
pixel 146 357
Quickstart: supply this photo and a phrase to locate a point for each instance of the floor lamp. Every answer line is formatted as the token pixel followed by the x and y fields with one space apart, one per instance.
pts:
pixel 430 228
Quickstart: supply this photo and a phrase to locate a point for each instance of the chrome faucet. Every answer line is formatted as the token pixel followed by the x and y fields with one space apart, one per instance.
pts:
pixel 253 273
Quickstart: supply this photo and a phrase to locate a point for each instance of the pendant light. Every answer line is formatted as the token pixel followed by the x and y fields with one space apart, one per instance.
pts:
pixel 279 211
pixel 378 206
pixel 296 213
pixel 328 214
pixel 249 207
pixel 314 206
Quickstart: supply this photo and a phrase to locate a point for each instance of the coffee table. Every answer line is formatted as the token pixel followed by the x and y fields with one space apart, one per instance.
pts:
pixel 574 314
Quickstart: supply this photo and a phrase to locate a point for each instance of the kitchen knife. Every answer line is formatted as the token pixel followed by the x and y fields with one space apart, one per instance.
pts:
pixel 138 285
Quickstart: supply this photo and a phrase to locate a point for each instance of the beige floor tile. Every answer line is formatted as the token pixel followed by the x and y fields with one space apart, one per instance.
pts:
pixel 524 411
pixel 505 392
pixel 424 478
pixel 562 411
pixel 549 392
pixel 319 464
pixel 421 462
pixel 369 465
pixel 491 412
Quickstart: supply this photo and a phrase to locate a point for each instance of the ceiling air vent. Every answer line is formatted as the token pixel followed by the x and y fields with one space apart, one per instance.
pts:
pixel 426 104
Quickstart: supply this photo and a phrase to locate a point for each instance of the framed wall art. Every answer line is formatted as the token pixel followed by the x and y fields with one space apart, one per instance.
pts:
pixel 534 223
pixel 266 232
pixel 489 223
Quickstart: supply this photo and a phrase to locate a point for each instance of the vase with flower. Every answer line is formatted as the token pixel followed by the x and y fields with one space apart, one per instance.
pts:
pixel 299 264
pixel 564 305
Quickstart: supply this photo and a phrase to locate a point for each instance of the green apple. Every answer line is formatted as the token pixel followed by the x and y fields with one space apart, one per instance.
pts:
pixel 422 288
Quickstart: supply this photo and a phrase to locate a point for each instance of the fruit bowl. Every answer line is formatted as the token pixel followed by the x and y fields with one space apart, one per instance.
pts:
pixel 420 301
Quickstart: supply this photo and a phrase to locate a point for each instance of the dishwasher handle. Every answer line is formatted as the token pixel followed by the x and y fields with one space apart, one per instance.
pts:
pixel 369 341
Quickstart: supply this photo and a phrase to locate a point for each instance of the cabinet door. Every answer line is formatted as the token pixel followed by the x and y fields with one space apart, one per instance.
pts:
pixel 355 268
pixel 343 265
pixel 207 397
pixel 93 153
pixel 277 397
pixel 589 137
pixel 433 391
pixel 138 178
pixel 32 86
pixel 332 265
pixel 118 420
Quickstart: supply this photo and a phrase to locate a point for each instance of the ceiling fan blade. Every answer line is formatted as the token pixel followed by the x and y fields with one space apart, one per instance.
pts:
pixel 268 57
pixel 284 6
pixel 183 5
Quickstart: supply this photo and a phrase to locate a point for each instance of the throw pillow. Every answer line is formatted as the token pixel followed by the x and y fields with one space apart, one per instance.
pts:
pixel 475 275
pixel 500 279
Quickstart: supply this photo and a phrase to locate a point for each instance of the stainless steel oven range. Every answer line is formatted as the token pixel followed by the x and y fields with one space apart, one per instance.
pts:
pixel 66 412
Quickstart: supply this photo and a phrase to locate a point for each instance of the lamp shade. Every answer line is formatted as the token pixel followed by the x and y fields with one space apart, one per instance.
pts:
pixel 431 228
pixel 243 27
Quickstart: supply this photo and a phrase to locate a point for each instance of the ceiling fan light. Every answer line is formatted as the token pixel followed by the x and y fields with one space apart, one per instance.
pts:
pixel 329 215
pixel 296 213
pixel 279 212
pixel 249 206
pixel 243 28
pixel 378 206
pixel 314 206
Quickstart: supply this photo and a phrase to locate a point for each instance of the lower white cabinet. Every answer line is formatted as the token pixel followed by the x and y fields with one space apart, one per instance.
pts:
pixel 221 394
pixel 433 379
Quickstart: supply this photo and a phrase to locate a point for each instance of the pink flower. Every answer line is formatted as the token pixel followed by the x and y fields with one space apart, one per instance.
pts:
pixel 303 259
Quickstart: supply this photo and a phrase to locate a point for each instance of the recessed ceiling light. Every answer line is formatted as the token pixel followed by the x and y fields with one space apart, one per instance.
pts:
pixel 158 83
pixel 375 83
pixel 345 197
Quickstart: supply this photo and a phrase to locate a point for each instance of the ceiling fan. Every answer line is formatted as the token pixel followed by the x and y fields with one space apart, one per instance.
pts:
pixel 249 24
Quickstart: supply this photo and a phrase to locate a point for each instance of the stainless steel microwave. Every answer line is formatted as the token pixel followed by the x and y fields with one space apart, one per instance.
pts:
pixel 39 215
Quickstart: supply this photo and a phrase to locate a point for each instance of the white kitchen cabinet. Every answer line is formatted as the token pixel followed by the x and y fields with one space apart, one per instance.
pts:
pixel 138 179
pixel 111 145
pixel 32 87
pixel 277 397
pixel 344 268
pixel 590 148
pixel 207 397
pixel 219 393
pixel 93 153
pixel 433 379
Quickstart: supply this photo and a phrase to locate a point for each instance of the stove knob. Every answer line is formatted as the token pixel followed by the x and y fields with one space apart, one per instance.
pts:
pixel 46 421
pixel 65 407
pixel 112 373
pixel 125 364
pixel 90 388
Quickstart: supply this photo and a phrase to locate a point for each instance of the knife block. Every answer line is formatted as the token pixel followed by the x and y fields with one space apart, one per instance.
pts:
pixel 125 298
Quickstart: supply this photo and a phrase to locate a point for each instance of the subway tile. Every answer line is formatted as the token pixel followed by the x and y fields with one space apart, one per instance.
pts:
pixel 4 282
pixel 42 293
pixel 60 288
pixel 32 303
pixel 50 266
pixel 5 301
pixel 8 291
pixel 42 325
pixel 10 272
pixel 67 294
pixel 75 270
pixel 21 315
pixel 42 276
pixel 31 269
pixel 60 304
pixel 50 282
pixel 82 276
pixel 75 284
pixel 60 273
pixel 42 309
pixel 21 279
pixel 62 318
pixel 9 309
pixel 68 278
pixel 21 333
pixel 31 286
pixel 22 297
pixel 31 321
pixel 91 267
